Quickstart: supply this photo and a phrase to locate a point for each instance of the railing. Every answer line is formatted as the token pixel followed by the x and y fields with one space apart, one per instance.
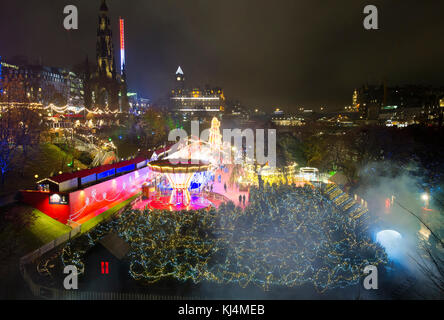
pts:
pixel 345 202
pixel 216 196
pixel 49 246
pixel 58 294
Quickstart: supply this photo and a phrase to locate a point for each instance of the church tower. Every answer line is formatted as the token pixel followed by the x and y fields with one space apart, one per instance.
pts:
pixel 106 82
pixel 105 47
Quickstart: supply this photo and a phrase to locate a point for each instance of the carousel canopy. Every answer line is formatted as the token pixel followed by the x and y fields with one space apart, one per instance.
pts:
pixel 179 166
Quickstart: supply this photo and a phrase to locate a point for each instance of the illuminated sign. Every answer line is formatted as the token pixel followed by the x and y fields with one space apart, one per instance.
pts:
pixel 88 179
pixel 129 94
pixel 105 267
pixel 126 168
pixel 390 107
pixel 441 102
pixel 58 199
pixel 105 174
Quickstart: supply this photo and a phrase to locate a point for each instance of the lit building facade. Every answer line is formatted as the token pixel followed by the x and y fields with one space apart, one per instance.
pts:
pixel 410 103
pixel 40 84
pixel 137 104
pixel 196 103
pixel 288 121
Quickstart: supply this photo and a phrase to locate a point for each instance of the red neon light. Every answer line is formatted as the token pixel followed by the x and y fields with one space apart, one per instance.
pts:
pixel 122 35
pixel 105 267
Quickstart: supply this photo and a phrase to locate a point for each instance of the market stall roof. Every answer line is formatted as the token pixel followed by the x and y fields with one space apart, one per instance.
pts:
pixel 87 172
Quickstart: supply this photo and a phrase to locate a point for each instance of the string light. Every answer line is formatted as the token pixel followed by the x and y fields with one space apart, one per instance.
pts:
pixel 287 237
pixel 78 110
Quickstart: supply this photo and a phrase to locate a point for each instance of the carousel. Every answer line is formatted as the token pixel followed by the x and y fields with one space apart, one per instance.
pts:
pixel 179 174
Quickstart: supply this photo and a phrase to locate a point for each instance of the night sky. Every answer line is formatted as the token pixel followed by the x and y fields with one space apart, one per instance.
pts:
pixel 280 53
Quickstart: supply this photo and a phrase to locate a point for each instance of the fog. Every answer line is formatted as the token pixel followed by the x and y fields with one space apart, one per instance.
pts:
pixel 391 192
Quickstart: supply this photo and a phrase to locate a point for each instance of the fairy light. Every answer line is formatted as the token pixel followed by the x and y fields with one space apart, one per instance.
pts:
pixel 314 242
pixel 78 110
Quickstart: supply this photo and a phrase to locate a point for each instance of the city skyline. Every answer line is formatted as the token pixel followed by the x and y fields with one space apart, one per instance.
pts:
pixel 269 55
pixel 210 150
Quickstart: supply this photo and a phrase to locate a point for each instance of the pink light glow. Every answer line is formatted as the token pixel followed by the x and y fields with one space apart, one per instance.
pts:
pixel 92 201
pixel 180 182
pixel 163 203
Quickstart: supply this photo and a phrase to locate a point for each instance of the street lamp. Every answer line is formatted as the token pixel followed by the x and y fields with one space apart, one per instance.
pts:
pixel 425 197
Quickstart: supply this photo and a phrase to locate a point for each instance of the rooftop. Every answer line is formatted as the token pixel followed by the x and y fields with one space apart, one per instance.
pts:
pixel 87 172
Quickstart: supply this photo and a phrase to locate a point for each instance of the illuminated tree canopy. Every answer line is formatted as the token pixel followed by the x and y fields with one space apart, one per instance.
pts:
pixel 287 237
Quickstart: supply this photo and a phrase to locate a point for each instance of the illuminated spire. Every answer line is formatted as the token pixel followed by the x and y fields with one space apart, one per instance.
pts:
pixel 179 71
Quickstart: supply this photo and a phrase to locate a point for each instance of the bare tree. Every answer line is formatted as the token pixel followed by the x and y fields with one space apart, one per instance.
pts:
pixel 20 126
pixel 13 93
pixel 432 266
